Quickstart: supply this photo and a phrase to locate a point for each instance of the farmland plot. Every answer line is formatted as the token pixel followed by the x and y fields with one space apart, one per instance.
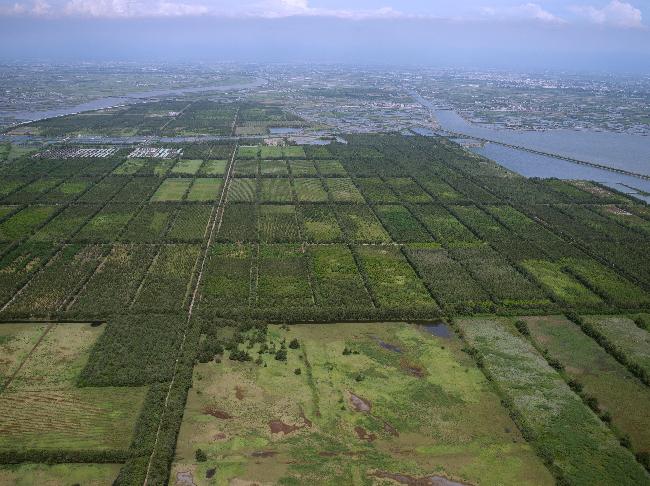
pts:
pixel 239 223
pixel 50 289
pixel 43 410
pixel 66 191
pixel 329 168
pixel 107 224
pixel 150 225
pixel 401 225
pixel 213 168
pixel 278 224
pixel 621 395
pixel 137 190
pixel 376 190
pixel 309 190
pixel 392 280
pixel 319 223
pixel 283 277
pixel 205 189
pixel 59 474
pixel 19 264
pixel 361 225
pixel 24 222
pixel 66 223
pixel 246 168
pixel 173 189
pixel 130 167
pixel 421 410
pixel 189 224
pixel 408 190
pixel 248 152
pixel 165 288
pixel 337 282
pixel 104 190
pixel 445 227
pixel 227 278
pixel 186 167
pixel 275 190
pixel 625 336
pixel 33 191
pixel 242 190
pixel 342 189
pixel 581 447
pixel 302 168
pixel 274 168
pixel 112 287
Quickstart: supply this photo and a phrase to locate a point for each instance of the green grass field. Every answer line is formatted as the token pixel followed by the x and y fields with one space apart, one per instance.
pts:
pixel 205 189
pixel 59 474
pixel 187 167
pixel 404 402
pixel 173 189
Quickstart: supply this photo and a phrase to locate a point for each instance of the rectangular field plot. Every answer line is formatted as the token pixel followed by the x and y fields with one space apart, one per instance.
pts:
pixel 319 223
pixel 239 223
pixel 107 224
pixel 275 190
pixel 246 168
pixel 205 189
pixel 67 191
pixel 580 445
pixel 59 474
pixel 626 337
pixel 274 168
pixel 150 225
pixel 66 223
pixel 562 285
pixel 392 280
pixel 408 190
pixel 156 167
pixel 190 223
pixel 302 168
pixel 272 152
pixel 114 284
pixel 51 289
pixel 213 168
pixel 166 286
pixel 361 225
pixel 309 190
pixel 248 152
pixel 376 190
pixel 342 189
pixel 337 281
pixel 137 190
pixel 130 167
pixel 24 222
pixel 401 224
pixel 227 278
pixel 278 224
pixel 331 168
pixel 617 290
pixel 445 227
pixel 186 167
pixel 499 278
pixel 422 410
pixel 449 282
pixel 172 190
pixel 440 190
pixel 41 409
pixel 104 190
pixel 293 152
pixel 19 264
pixel 621 395
pixel 283 277
pixel 33 191
pixel 242 190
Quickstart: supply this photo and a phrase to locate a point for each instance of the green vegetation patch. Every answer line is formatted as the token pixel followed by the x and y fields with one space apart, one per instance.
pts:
pixel 361 225
pixel 187 166
pixel 59 474
pixel 309 190
pixel 173 189
pixel 370 400
pixel 213 168
pixel 567 433
pixel 275 190
pixel 401 224
pixel 23 223
pixel 205 189
pixel 301 168
pixel 283 277
pixel 274 168
pixel 320 224
pixel 242 190
pixel 392 280
pixel 342 189
pixel 562 285
pixel 107 224
pixel 278 223
pixel 620 397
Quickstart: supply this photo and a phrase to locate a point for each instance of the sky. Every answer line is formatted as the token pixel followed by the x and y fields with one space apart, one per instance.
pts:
pixel 598 35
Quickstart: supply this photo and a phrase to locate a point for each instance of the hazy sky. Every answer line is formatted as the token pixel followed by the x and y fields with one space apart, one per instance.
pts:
pixel 579 34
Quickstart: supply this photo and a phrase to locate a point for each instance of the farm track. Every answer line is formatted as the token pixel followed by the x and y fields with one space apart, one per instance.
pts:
pixel 212 229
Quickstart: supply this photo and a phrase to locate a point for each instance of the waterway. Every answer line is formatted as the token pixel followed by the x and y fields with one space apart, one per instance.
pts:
pixel 130 98
pixel 616 150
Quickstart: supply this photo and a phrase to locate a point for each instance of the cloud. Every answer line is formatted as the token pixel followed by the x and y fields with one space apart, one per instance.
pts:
pixel 616 13
pixel 525 11
pixel 131 9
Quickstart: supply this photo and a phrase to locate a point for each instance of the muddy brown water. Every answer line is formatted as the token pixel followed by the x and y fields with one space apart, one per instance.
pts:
pixel 413 481
pixel 359 404
pixel 363 434
pixel 216 413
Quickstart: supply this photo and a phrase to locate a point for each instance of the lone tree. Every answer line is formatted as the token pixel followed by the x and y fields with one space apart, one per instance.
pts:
pixel 200 456
pixel 294 344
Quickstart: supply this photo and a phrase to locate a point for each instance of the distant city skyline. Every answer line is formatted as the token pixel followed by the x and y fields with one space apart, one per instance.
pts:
pixel 598 35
